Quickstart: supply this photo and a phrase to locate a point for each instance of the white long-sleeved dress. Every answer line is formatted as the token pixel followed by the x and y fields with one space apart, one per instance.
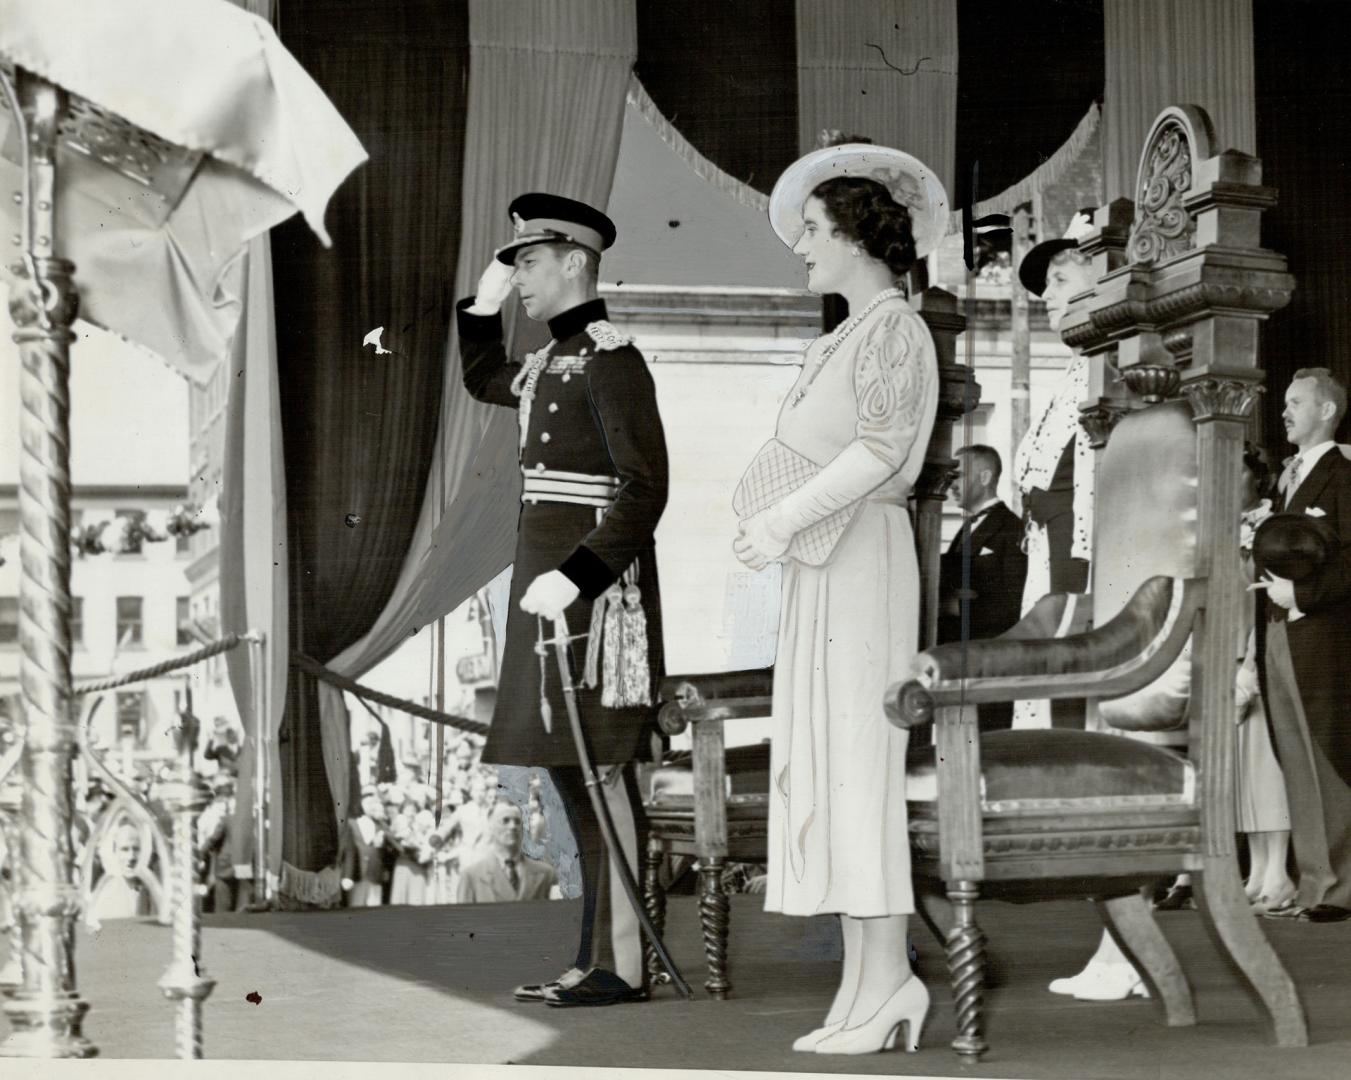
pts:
pixel 848 629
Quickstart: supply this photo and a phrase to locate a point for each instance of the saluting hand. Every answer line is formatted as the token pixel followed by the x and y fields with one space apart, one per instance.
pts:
pixel 549 595
pixel 494 286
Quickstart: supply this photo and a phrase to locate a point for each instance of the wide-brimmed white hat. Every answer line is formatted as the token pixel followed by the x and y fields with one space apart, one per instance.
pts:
pixel 911 183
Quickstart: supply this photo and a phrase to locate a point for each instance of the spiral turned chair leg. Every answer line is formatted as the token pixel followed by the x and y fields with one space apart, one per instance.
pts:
pixel 714 918
pixel 654 897
pixel 966 967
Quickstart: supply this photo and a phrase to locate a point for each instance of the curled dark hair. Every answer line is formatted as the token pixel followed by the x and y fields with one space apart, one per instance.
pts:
pixel 863 211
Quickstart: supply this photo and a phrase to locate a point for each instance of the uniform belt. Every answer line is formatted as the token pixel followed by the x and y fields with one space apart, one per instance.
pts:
pixel 582 489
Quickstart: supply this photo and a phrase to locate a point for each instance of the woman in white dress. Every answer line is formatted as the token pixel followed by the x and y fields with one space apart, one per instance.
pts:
pixel 1053 468
pixel 862 409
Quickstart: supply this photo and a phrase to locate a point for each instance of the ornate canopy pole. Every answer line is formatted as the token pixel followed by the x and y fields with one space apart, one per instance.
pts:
pixel 958 393
pixel 45 1012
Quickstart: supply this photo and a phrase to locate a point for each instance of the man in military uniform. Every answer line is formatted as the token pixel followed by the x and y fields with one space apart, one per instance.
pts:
pixel 594 468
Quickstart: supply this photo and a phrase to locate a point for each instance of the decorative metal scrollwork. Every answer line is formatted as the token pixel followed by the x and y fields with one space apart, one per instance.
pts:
pixel 142 157
pixel 147 868
pixel 1163 227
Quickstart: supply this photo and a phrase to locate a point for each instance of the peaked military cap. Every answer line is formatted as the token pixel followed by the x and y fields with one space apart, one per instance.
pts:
pixel 549 219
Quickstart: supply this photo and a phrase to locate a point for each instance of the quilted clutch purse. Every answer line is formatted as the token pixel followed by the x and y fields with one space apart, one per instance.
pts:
pixel 778 471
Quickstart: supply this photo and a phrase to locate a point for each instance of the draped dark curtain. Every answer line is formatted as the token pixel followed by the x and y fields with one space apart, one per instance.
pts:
pixel 725 74
pixel 358 426
pixel 1026 75
pixel 1304 141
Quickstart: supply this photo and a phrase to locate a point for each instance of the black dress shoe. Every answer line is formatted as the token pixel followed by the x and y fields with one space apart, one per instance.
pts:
pixel 1178 898
pixel 541 991
pixel 600 987
pixel 1325 913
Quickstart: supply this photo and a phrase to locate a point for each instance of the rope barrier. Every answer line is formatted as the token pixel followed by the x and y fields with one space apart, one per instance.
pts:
pixel 299 660
pixel 311 666
pixel 225 644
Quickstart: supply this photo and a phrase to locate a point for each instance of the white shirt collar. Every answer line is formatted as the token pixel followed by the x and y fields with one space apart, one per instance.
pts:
pixel 1310 457
pixel 986 505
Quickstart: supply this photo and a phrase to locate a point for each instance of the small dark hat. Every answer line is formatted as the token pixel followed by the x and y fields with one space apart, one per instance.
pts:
pixel 1295 546
pixel 1032 270
pixel 550 219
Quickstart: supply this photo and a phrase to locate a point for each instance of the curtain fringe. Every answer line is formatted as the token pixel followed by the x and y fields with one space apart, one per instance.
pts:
pixel 322 888
pixel 1045 174
pixel 707 171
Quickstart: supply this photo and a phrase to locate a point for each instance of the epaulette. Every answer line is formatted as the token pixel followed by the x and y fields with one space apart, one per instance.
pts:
pixel 606 337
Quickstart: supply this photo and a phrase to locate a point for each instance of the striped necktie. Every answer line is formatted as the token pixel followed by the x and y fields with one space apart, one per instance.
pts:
pixel 1292 477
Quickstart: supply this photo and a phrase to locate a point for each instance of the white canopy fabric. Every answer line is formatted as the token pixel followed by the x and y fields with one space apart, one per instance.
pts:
pixel 203 75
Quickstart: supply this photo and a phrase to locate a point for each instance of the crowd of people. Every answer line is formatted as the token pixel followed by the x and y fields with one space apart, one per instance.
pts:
pixel 400 850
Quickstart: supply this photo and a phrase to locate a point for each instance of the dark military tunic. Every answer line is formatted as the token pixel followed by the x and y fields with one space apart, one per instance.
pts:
pixel 595 436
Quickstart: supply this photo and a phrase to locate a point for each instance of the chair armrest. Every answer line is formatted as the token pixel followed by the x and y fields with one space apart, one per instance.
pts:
pixel 729 695
pixel 1055 615
pixel 1131 651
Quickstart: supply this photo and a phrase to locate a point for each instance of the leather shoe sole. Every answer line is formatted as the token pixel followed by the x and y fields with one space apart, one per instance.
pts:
pixel 1325 913
pixel 541 991
pixel 535 991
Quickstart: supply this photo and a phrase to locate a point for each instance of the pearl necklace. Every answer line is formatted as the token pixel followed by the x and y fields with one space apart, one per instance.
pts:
pixel 835 342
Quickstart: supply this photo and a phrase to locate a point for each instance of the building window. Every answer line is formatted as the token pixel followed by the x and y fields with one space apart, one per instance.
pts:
pixel 76 620
pixel 129 625
pixel 131 715
pixel 183 543
pixel 184 622
pixel 9 620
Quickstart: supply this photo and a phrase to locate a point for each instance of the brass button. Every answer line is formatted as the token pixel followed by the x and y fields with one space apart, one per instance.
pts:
pixel 553 406
pixel 544 436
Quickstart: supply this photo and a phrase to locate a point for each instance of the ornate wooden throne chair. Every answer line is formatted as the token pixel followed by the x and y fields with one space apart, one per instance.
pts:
pixel 711 804
pixel 1171 327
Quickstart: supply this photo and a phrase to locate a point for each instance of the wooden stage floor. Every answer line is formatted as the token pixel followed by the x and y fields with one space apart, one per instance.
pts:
pixel 428 985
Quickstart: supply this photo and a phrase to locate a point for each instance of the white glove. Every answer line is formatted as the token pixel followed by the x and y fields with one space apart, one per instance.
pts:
pixel 852 474
pixel 762 539
pixel 549 595
pixel 494 286
pixel 347 884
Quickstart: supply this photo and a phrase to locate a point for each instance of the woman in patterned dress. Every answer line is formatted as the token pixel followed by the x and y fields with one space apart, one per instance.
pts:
pixel 1053 465
pixel 862 409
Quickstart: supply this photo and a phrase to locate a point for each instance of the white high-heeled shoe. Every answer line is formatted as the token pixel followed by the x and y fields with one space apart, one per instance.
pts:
pixel 808 1041
pixel 1102 982
pixel 905 1009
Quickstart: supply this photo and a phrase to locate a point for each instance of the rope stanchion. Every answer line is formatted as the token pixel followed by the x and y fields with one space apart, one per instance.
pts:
pixel 311 666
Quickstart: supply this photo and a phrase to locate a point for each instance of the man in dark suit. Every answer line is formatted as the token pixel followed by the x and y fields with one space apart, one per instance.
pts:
pixel 1308 652
pixel 594 481
pixel 981 575
pixel 499 870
